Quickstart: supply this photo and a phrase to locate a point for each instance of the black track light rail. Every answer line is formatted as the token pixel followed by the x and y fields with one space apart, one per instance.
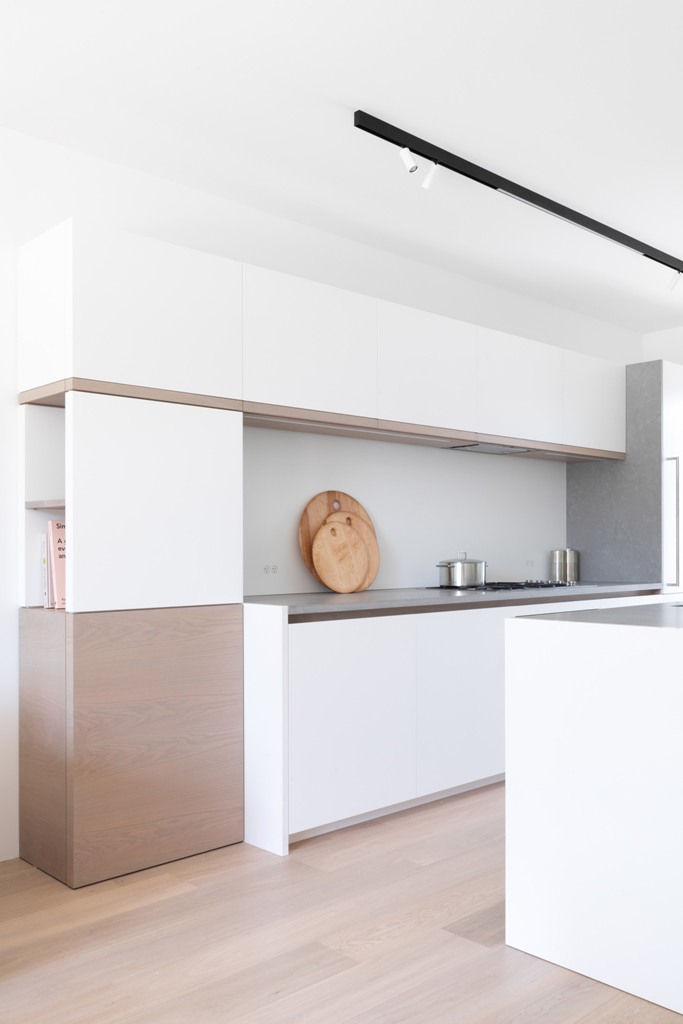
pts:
pixel 419 147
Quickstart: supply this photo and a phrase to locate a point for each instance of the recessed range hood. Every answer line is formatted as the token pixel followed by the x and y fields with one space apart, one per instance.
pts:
pixel 489 448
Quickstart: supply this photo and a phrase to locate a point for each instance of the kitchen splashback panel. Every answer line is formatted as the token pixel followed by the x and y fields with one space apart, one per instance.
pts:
pixel 426 505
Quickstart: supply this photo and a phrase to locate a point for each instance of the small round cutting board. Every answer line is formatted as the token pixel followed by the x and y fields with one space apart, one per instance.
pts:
pixel 314 515
pixel 340 557
pixel 368 537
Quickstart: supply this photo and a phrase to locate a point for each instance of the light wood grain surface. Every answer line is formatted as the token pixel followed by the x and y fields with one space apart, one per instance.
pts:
pixel 42 739
pixel 396 921
pixel 131 749
pixel 314 515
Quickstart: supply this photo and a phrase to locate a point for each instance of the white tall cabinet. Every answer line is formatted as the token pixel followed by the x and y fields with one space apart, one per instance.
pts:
pixel 131 699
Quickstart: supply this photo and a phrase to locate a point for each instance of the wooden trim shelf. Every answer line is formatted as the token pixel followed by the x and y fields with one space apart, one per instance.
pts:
pixel 47 505
pixel 54 394
pixel 318 421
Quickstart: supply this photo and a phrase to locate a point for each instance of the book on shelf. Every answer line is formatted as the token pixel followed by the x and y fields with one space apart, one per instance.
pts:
pixel 48 595
pixel 56 562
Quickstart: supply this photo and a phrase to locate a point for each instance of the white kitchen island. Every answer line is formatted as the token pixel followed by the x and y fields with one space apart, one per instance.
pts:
pixel 594 794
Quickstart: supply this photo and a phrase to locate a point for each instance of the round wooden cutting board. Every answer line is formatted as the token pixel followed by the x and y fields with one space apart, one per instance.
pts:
pixel 340 557
pixel 368 537
pixel 315 514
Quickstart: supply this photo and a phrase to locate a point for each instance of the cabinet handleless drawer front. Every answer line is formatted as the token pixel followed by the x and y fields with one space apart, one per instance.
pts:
pixel 520 387
pixel 308 345
pixel 351 718
pixel 427 368
pixel 150 488
pixel 148 745
pixel 100 303
pixel 593 402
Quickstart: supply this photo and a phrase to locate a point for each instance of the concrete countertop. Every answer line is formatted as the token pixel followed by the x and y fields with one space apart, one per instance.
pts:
pixel 657 616
pixel 422 599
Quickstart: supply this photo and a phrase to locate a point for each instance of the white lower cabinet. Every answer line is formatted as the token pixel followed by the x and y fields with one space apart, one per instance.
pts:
pixel 460 698
pixel 351 718
pixel 388 709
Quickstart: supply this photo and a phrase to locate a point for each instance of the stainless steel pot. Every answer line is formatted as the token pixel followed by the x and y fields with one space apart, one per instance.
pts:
pixel 461 572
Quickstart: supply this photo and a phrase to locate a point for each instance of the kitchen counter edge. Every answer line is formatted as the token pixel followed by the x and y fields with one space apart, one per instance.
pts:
pixel 316 606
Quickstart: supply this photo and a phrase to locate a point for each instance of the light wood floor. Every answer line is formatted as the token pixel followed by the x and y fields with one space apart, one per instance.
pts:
pixel 396 921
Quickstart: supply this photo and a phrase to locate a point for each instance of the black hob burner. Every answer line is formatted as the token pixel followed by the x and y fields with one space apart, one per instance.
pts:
pixel 507 585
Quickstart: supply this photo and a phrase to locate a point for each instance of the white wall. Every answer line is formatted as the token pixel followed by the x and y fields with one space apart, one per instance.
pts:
pixel 664 345
pixel 42 184
pixel 9 576
pixel 426 505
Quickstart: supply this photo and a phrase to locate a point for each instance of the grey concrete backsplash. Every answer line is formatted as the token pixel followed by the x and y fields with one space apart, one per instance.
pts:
pixel 614 510
pixel 426 504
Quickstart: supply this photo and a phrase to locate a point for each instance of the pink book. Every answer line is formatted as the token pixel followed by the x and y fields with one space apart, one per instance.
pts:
pixel 56 544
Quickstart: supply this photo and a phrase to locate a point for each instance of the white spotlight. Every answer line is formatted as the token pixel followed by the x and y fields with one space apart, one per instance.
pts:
pixel 430 175
pixel 408 159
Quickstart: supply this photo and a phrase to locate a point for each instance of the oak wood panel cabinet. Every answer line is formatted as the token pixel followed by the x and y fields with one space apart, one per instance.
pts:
pixel 427 368
pixel 308 345
pixel 99 303
pixel 131 744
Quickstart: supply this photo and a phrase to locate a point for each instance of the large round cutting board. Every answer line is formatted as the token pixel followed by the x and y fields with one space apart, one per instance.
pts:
pixel 340 557
pixel 314 515
pixel 368 537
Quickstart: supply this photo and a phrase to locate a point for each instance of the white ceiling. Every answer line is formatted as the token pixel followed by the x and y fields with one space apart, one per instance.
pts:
pixel 254 100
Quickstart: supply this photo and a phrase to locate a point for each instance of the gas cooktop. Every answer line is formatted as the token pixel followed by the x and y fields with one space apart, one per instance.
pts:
pixel 507 585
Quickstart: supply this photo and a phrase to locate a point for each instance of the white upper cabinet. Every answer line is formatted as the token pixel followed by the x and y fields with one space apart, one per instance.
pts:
pixel 105 305
pixel 519 387
pixel 153 504
pixel 427 368
pixel 593 402
pixel 309 345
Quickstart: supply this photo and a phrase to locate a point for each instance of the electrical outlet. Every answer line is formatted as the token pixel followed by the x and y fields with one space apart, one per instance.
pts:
pixel 270 569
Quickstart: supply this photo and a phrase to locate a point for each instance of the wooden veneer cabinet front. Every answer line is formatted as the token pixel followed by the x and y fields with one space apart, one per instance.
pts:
pixel 131 738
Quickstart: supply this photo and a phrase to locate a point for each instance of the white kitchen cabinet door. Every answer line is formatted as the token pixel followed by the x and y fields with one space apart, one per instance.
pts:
pixel 309 345
pixel 672 475
pixel 44 308
pixel 153 504
pixel 427 368
pixel 593 402
pixel 519 387
pixel 107 305
pixel 460 698
pixel 351 718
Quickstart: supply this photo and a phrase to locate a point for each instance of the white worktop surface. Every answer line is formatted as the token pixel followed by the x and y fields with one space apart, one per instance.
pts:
pixel 658 616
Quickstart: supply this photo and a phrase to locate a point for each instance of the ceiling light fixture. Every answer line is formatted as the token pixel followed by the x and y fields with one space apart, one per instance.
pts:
pixel 429 176
pixel 414 145
pixel 409 160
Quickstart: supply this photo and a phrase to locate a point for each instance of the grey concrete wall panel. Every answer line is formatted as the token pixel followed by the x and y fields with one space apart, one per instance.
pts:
pixel 614 511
